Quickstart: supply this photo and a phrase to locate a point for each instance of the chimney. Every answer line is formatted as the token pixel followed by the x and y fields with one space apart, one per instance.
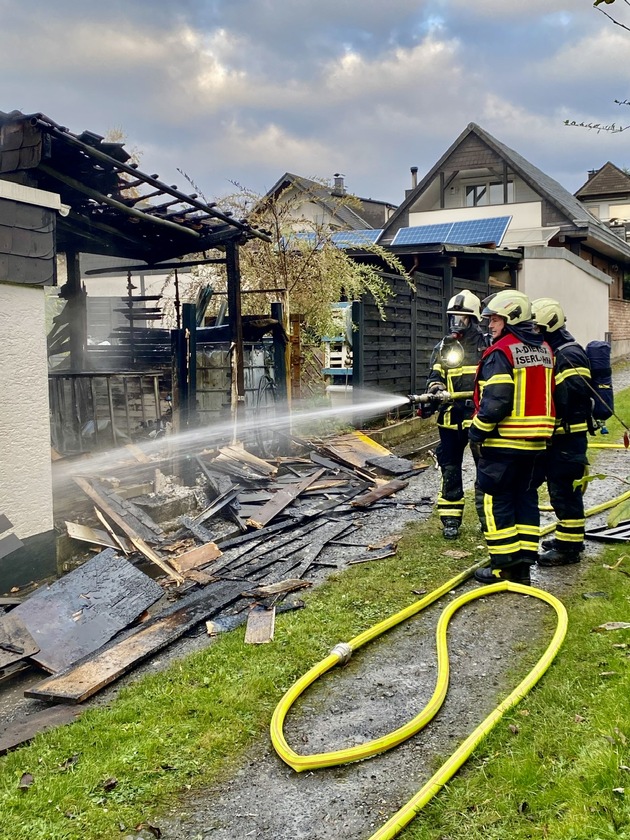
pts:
pixel 339 188
pixel 592 172
pixel 414 177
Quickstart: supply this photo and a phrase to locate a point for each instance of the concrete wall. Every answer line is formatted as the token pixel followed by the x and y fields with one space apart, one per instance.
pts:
pixel 580 288
pixel 25 466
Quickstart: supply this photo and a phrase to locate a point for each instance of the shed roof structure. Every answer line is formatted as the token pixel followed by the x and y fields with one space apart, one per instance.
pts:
pixel 111 206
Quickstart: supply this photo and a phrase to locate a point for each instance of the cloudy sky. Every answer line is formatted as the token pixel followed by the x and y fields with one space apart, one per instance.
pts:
pixel 244 90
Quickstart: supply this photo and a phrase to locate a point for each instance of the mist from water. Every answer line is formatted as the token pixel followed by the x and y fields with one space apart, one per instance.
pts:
pixel 275 418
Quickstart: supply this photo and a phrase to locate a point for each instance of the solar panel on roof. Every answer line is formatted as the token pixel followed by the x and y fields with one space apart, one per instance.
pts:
pixel 309 237
pixel 469 232
pixel 355 238
pixel 341 238
pixel 479 231
pixel 422 235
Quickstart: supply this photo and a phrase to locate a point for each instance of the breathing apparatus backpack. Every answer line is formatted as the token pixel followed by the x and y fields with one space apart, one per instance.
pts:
pixel 598 353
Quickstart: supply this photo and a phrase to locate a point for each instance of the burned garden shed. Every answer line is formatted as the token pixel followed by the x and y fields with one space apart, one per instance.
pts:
pixel 73 194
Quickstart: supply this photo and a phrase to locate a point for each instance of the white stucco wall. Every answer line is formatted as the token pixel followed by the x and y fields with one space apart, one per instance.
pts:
pixel 525 215
pixel 581 289
pixel 25 466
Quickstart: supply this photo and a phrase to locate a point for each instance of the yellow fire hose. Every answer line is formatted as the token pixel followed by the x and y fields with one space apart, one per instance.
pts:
pixel 340 655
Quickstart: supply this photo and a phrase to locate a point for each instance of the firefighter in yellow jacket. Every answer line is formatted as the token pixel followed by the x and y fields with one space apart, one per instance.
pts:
pixel 513 420
pixel 454 416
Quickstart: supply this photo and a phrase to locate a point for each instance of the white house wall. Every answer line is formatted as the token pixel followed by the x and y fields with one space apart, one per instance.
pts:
pixel 524 216
pixel 581 289
pixel 25 465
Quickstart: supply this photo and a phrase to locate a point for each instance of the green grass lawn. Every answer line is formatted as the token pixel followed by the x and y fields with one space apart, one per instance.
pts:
pixel 555 767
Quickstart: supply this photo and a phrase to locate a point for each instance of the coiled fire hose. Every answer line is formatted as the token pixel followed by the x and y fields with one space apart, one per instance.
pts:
pixel 342 652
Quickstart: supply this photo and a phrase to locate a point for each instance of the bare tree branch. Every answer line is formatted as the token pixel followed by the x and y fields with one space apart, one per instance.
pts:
pixel 616 22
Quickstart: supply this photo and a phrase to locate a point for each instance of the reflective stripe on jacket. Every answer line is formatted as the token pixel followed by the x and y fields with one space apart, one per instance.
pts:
pixel 459 381
pixel 514 395
pixel 572 395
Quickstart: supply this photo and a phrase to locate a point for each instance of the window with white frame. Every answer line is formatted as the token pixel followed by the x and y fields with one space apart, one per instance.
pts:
pixel 488 192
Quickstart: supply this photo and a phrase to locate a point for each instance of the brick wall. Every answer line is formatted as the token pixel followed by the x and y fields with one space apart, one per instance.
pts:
pixel 619 319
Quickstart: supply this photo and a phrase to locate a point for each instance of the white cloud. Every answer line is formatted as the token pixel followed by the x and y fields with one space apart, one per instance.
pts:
pixel 502 9
pixel 597 56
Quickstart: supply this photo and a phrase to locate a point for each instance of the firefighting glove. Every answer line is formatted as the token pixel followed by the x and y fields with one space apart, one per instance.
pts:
pixel 426 410
pixel 475 450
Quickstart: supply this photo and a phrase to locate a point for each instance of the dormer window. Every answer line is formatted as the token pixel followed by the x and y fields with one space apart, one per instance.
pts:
pixel 489 192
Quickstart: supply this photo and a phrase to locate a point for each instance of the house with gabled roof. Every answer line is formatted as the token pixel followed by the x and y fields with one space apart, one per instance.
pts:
pixel 331 205
pixel 565 251
pixel 606 194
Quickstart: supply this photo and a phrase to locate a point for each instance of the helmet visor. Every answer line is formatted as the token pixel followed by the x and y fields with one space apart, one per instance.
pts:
pixel 458 323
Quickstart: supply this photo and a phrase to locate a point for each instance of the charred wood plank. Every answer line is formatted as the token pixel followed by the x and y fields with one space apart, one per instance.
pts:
pixel 119 513
pixel 10 602
pixel 89 676
pixel 333 466
pixel 237 453
pixel 230 467
pixel 219 488
pixel 282 587
pixel 281 500
pixel 198 531
pixel 300 558
pixel 303 518
pixel 129 509
pixel 379 493
pixel 156 558
pixel 226 498
pixel 93 536
pixel 19 733
pixel 392 465
pixel 15 640
pixel 123 542
pixel 81 611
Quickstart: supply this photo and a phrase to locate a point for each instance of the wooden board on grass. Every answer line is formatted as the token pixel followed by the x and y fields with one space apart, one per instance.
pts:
pixel 260 626
pixel 104 667
pixel 16 734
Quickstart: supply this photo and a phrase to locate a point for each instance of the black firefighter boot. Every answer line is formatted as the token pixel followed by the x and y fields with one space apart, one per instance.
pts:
pixel 558 553
pixel 512 569
pixel 450 527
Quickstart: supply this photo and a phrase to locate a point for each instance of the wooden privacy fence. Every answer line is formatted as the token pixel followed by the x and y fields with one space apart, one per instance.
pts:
pixel 393 355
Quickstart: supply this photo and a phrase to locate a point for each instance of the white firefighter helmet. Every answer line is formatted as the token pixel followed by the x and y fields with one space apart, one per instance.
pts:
pixel 510 304
pixel 548 314
pixel 464 303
